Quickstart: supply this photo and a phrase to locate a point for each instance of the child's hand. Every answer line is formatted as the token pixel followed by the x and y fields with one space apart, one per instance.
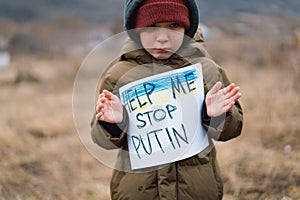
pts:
pixel 218 101
pixel 109 108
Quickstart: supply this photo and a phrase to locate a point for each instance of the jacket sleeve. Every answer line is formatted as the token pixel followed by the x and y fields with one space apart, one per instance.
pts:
pixel 229 125
pixel 108 135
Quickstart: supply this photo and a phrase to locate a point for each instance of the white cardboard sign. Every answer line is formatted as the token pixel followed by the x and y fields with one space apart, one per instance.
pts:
pixel 165 117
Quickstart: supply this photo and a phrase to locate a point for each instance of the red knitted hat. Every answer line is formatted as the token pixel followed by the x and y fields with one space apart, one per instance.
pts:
pixel 156 11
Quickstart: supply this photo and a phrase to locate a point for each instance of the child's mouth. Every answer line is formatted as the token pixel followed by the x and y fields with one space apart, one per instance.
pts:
pixel 161 50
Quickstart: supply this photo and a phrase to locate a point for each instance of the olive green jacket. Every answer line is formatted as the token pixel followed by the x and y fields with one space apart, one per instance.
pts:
pixel 194 178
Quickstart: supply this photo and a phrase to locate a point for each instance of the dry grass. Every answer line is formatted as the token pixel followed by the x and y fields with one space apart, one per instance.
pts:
pixel 41 156
pixel 263 163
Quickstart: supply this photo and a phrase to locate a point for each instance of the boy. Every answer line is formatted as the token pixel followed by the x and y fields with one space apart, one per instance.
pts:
pixel 164 48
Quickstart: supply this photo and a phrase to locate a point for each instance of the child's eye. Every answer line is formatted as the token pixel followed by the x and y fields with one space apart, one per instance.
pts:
pixel 174 25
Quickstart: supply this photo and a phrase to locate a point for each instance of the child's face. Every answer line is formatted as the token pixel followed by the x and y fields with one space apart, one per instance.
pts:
pixel 163 39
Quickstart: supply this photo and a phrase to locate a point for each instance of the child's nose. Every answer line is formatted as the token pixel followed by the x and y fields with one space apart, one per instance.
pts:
pixel 162 35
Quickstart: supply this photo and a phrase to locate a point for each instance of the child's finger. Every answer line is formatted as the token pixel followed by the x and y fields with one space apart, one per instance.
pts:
pixel 215 88
pixel 99 116
pixel 99 100
pixel 101 95
pixel 99 107
pixel 103 100
pixel 107 94
pixel 233 92
pixel 229 88
pixel 236 96
pixel 233 99
pixel 229 106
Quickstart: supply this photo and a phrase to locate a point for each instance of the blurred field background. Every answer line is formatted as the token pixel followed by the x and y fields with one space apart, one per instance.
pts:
pixel 45 42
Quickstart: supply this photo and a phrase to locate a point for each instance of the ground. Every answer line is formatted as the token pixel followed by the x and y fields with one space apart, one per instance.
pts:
pixel 42 156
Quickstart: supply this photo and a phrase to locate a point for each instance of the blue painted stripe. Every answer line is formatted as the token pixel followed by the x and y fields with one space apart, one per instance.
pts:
pixel 161 84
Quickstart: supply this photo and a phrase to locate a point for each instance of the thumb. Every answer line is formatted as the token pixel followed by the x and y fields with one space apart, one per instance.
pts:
pixel 215 88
